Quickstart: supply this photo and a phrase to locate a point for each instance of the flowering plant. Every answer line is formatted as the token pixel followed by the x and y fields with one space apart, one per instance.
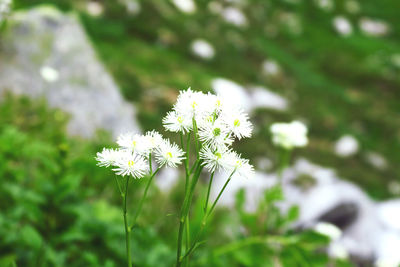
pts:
pixel 203 121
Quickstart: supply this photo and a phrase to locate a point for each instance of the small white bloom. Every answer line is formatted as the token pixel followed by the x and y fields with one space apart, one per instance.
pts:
pixel 186 6
pixel 373 27
pixel 175 122
pixel 329 230
pixel 346 146
pixel 192 104
pixel 203 49
pixel 270 67
pixel 169 154
pixel 133 142
pixel 342 26
pixel 152 140
pixel 49 74
pixel 130 163
pixel 215 159
pixel 238 123
pixel 241 166
pixel 94 8
pixel 107 157
pixel 289 135
pixel 215 134
pixel 234 16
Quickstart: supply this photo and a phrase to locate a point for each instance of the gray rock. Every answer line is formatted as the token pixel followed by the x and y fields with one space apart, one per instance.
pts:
pixel 46 53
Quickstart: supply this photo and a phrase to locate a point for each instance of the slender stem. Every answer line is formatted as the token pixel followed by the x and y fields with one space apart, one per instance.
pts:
pixel 187 243
pixel 195 131
pixel 208 192
pixel 139 209
pixel 220 193
pixel 119 186
pixel 284 162
pixel 150 166
pixel 127 229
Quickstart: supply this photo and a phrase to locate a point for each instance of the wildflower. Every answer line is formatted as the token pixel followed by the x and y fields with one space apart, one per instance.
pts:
pixel 329 230
pixel 151 141
pixel 130 163
pixel 175 122
pixel 202 49
pixel 215 159
pixel 132 142
pixel 215 134
pixel 169 154
pixel 289 135
pixel 107 157
pixel 192 104
pixel 238 123
pixel 241 166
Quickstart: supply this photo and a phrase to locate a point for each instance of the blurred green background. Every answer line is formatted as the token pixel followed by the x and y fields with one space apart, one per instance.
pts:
pixel 59 209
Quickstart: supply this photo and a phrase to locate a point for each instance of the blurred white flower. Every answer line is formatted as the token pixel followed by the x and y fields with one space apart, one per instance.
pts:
pixel 151 141
pixel 175 122
pixel 130 163
pixel 215 134
pixel 289 135
pixel 326 5
pixel 215 159
pixel 262 97
pixel 234 16
pixel 342 26
pixel 49 74
pixel 186 6
pixel 107 157
pixel 169 154
pixel 346 146
pixel 232 93
pixel 94 8
pixel 241 166
pixel 329 230
pixel 132 6
pixel 202 49
pixel 270 67
pixel 373 27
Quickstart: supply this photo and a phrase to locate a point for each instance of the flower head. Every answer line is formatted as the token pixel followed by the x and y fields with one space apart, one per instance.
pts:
pixel 289 135
pixel 215 134
pixel 240 166
pixel 192 104
pixel 175 122
pixel 215 159
pixel 151 140
pixel 130 163
pixel 238 123
pixel 107 157
pixel 130 141
pixel 169 154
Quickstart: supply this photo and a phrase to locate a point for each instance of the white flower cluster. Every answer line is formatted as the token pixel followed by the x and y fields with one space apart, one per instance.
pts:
pixel 5 8
pixel 134 152
pixel 289 135
pixel 217 124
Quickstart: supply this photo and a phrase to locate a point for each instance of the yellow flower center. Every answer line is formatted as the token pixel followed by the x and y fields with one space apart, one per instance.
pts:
pixel 134 143
pixel 218 103
pixel 180 119
pixel 236 123
pixel 217 131
pixel 194 104
pixel 169 155
pixel 131 163
pixel 218 155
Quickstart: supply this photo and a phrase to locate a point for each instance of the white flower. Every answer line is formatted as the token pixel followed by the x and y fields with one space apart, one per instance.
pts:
pixel 215 134
pixel 192 104
pixel 175 122
pixel 203 49
pixel 234 16
pixel 169 154
pixel 49 74
pixel 329 230
pixel 151 141
pixel 107 157
pixel 133 142
pixel 342 26
pixel 373 27
pixel 130 163
pixel 241 166
pixel 238 123
pixel 289 135
pixel 215 159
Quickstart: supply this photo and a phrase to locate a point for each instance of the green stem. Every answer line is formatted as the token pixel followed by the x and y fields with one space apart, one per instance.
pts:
pixel 119 186
pixel 208 192
pixel 127 229
pixel 187 243
pixel 139 209
pixel 284 162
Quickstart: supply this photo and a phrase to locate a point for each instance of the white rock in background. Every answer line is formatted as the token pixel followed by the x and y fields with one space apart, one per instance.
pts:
pixel 373 27
pixel 45 53
pixel 202 49
pixel 234 16
pixel 388 250
pixel 232 92
pixel 261 97
pixel 270 67
pixel 346 146
pixel 167 179
pixel 186 6
pixel 389 214
pixel 342 26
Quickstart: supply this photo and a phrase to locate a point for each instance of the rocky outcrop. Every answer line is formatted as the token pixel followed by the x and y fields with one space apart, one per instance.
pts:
pixel 46 53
